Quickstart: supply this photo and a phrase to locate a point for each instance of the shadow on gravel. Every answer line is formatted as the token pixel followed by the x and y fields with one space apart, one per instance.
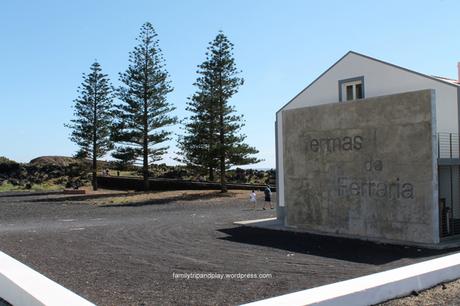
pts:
pixel 332 247
pixel 189 197
pixel 28 194
pixel 79 197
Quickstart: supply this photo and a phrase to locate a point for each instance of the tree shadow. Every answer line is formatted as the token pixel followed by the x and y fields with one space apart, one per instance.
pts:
pixel 28 193
pixel 66 198
pixel 346 249
pixel 167 200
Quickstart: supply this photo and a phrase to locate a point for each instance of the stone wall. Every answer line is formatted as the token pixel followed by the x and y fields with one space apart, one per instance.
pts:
pixel 365 168
pixel 162 184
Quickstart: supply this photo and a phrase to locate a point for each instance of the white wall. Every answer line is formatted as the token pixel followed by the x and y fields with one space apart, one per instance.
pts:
pixel 379 79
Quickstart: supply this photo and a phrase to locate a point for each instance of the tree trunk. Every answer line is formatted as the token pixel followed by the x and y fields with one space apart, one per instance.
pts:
pixel 223 184
pixel 146 180
pixel 145 165
pixel 211 174
pixel 145 146
pixel 94 179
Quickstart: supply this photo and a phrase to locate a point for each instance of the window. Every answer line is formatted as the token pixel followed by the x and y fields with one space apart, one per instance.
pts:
pixel 350 92
pixel 351 89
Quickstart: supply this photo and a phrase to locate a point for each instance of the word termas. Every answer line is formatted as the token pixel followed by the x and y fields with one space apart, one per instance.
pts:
pixel 334 144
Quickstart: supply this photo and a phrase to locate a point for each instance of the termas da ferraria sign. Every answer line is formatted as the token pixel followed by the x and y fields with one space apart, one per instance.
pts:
pixel 355 186
pixel 364 168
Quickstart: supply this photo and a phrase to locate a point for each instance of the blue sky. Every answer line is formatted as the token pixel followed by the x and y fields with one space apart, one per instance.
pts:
pixel 281 46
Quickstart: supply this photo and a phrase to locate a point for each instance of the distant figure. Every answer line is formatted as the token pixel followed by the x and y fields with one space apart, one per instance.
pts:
pixel 76 184
pixel 107 173
pixel 268 197
pixel 118 173
pixel 253 199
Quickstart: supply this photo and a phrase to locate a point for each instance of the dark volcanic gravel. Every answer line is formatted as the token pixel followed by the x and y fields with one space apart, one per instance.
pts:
pixel 127 255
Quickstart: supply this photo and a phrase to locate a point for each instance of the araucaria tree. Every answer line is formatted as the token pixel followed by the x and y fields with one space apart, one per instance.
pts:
pixel 198 147
pixel 93 113
pixel 213 137
pixel 144 112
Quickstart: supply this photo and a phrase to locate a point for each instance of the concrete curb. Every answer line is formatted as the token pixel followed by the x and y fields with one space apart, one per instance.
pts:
pixel 21 285
pixel 375 288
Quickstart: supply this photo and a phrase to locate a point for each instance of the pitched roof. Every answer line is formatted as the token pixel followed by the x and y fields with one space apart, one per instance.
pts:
pixel 450 81
pixel 435 78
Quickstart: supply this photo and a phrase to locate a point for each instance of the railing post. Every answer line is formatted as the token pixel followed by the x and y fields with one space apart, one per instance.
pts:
pixel 457 138
pixel 439 146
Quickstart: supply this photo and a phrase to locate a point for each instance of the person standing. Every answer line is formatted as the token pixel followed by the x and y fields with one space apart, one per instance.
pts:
pixel 253 199
pixel 268 197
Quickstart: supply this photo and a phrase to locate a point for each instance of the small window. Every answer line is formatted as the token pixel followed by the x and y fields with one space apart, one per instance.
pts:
pixel 359 91
pixel 350 92
pixel 351 89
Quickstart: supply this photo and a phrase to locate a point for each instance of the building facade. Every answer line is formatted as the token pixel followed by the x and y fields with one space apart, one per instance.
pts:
pixel 370 150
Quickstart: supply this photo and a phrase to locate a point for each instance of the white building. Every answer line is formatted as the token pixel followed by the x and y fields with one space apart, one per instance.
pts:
pixel 357 76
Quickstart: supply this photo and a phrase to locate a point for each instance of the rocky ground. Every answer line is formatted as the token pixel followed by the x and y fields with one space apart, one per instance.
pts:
pixel 59 172
pixel 174 251
pixel 444 294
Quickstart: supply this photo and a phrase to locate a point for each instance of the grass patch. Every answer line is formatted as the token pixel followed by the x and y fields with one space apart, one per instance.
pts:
pixel 5 187
pixel 8 187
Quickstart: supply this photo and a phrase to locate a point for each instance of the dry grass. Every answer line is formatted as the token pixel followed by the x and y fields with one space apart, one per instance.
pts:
pixel 8 187
pixel 133 198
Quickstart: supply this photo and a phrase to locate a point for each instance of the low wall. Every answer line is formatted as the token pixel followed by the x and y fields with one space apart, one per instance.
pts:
pixel 20 285
pixel 375 288
pixel 134 183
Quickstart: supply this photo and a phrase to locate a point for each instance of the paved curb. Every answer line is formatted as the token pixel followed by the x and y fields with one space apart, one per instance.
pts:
pixel 21 285
pixel 375 288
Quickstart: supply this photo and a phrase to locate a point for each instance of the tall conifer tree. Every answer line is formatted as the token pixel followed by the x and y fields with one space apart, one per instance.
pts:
pixel 198 146
pixel 144 112
pixel 214 127
pixel 93 117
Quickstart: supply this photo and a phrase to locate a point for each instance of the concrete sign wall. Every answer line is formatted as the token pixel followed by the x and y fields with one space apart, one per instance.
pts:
pixel 366 168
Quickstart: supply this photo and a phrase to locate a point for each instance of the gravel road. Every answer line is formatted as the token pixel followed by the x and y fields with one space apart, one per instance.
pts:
pixel 179 252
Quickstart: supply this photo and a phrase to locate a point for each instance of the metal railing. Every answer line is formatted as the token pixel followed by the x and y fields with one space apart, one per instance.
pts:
pixel 448 145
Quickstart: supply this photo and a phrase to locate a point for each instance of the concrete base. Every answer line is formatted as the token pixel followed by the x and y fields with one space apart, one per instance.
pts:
pixel 280 213
pixel 276 224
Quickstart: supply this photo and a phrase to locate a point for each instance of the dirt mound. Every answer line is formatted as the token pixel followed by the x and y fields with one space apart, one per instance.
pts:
pixel 62 161
pixel 5 160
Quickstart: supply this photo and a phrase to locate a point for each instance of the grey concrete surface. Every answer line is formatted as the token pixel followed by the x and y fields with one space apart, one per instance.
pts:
pixel 365 168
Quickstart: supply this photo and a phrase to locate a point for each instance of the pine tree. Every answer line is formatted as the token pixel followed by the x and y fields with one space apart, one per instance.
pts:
pixel 198 145
pixel 91 126
pixel 214 128
pixel 124 157
pixel 144 112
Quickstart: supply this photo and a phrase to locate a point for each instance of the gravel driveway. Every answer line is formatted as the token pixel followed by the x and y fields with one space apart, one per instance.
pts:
pixel 180 252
